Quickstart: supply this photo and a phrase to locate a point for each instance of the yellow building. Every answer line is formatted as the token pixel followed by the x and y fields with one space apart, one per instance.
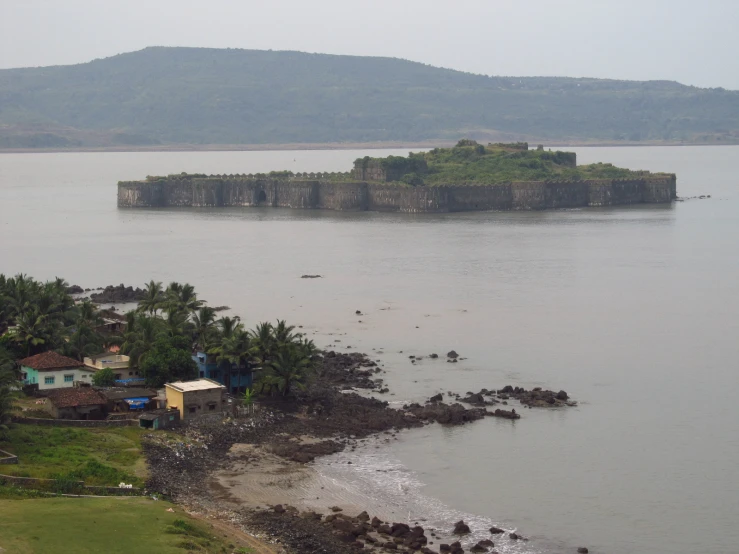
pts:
pixel 194 398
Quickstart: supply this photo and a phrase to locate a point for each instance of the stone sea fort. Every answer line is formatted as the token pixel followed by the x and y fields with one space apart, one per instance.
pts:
pixel 468 177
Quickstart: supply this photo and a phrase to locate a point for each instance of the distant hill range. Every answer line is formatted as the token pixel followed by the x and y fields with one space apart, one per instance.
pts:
pixel 174 96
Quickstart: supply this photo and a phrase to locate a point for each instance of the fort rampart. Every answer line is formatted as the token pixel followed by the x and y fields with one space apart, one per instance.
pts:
pixel 331 192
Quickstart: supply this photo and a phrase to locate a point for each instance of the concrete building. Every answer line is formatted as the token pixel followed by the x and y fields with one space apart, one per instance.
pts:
pixel 50 370
pixel 236 379
pixel 160 419
pixel 195 398
pixel 119 363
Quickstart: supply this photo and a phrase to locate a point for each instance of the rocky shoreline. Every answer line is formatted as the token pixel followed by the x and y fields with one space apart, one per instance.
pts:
pixel 325 419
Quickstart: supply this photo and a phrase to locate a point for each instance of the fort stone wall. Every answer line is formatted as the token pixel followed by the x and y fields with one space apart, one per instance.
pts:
pixel 312 191
pixel 472 198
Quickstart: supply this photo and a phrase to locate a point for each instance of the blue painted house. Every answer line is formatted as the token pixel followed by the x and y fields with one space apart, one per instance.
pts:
pixel 236 379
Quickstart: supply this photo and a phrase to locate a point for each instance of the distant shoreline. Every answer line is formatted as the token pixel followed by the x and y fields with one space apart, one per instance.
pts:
pixel 331 146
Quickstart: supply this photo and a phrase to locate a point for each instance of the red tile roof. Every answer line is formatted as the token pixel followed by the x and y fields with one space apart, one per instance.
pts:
pixel 72 397
pixel 50 360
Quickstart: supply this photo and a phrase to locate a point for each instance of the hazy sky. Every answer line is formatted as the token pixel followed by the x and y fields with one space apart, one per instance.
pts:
pixel 694 42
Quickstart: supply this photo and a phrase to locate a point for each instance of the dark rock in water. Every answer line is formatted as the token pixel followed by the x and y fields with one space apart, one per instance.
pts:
pixel 75 289
pixel 452 354
pixel 311 276
pixel 445 548
pixel 513 536
pixel 582 550
pixel 454 414
pixel 120 294
pixel 475 398
pixel 433 356
pixel 358 312
pixel 505 414
pixel 487 542
pixel 537 397
pixel 436 398
pixel 461 528
pixel 479 547
pixel 496 530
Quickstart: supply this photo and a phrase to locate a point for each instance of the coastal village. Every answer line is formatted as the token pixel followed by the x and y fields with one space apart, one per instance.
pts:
pixel 160 401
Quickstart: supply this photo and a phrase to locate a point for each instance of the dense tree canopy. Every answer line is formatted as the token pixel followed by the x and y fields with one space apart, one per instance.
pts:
pixel 211 96
pixel 160 336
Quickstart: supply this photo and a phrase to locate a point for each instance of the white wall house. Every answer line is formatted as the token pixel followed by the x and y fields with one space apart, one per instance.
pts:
pixel 50 370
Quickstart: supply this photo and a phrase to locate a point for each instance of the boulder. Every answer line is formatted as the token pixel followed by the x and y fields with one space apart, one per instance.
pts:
pixel 582 550
pixel 505 414
pixel 399 530
pixel 452 354
pixel 461 528
pixel 496 530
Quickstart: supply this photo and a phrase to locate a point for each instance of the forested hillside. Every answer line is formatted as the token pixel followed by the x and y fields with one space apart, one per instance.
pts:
pixel 211 96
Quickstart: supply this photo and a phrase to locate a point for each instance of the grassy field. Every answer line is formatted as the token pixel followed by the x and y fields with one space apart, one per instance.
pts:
pixel 110 525
pixel 104 456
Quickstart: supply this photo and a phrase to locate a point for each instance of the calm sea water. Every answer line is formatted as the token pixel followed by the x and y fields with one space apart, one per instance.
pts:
pixel 633 311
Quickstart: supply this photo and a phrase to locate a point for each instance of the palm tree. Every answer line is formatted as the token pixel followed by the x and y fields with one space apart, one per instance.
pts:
pixel 204 320
pixel 177 323
pixel 152 300
pixel 228 325
pixel 140 335
pixel 283 332
pixel 189 298
pixel 235 347
pixel 88 313
pixel 264 342
pixel 182 297
pixel 84 341
pixel 289 369
pixel 31 330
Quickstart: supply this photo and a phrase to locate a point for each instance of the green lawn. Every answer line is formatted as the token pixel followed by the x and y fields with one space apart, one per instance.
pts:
pixel 104 456
pixel 110 525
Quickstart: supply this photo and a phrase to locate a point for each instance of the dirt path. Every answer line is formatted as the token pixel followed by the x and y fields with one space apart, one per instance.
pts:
pixel 258 546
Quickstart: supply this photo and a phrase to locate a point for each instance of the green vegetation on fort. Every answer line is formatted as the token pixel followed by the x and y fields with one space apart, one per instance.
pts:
pixel 110 525
pixel 472 163
pixel 211 96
